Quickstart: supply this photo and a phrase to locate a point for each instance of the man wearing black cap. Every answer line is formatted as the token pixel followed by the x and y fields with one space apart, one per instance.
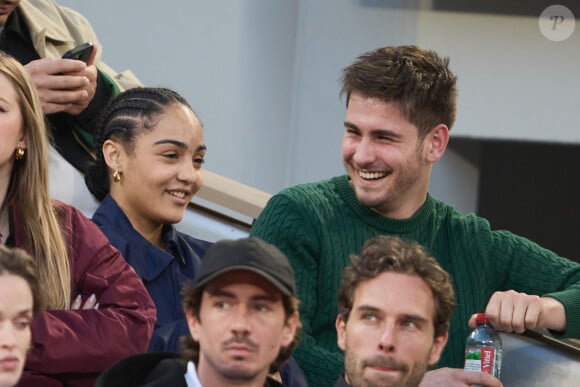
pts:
pixel 242 313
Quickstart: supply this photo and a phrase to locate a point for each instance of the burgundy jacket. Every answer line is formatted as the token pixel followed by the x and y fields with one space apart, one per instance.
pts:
pixel 71 347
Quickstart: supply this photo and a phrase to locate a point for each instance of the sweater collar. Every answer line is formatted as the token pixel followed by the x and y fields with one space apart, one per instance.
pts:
pixel 376 220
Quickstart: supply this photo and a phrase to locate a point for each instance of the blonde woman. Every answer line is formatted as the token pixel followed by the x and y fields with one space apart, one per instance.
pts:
pixel 95 309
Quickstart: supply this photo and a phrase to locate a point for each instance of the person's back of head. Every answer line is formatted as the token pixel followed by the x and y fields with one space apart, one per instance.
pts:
pixel 418 80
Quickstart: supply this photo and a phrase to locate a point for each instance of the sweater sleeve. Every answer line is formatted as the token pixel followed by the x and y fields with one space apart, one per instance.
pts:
pixel 88 341
pixel 287 224
pixel 535 270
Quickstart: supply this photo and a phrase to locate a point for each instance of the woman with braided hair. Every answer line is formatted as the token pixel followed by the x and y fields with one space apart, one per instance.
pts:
pixel 148 163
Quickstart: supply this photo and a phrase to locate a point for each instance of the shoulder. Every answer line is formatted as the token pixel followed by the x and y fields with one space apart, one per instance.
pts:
pixel 308 196
pixel 301 210
pixel 314 189
pixel 70 216
pixel 74 221
pixel 85 241
pixel 454 218
pixel 198 245
pixel 51 9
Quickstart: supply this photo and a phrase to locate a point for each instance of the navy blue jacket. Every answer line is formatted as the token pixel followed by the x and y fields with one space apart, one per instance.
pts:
pixel 162 272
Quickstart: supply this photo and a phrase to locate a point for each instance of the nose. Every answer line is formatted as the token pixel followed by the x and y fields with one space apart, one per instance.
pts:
pixel 387 341
pixel 241 321
pixel 363 152
pixel 188 173
pixel 7 335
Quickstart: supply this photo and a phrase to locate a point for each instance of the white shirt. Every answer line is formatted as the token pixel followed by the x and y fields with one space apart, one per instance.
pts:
pixel 191 376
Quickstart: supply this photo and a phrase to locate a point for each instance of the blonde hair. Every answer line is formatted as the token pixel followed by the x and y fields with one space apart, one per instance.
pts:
pixel 28 194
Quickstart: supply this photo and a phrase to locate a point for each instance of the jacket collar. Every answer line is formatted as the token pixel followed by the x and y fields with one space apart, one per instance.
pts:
pixel 44 21
pixel 147 260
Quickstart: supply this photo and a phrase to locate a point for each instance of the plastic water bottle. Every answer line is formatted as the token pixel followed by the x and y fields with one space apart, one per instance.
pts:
pixel 483 348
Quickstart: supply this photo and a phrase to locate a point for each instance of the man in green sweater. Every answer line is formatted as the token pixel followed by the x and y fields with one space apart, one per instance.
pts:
pixel 401 104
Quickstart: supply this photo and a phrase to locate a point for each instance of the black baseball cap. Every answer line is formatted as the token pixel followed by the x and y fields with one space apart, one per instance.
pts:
pixel 252 254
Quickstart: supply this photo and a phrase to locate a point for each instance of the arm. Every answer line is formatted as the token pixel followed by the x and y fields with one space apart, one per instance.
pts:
pixel 511 311
pixel 289 225
pixel 82 101
pixel 89 340
pixel 543 290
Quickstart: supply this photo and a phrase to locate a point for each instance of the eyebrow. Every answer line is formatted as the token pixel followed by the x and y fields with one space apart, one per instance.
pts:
pixel 368 308
pixel 407 316
pixel 23 313
pixel 375 132
pixel 179 144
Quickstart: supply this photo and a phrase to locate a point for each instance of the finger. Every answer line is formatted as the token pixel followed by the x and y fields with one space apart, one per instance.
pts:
pixel 63 97
pixel 55 66
pixel 90 72
pixel 50 108
pixel 480 378
pixel 76 304
pixel 51 66
pixel 65 66
pixel 93 54
pixel 506 311
pixel 90 302
pixel 471 322
pixel 533 312
pixel 519 312
pixel 493 309
pixel 64 81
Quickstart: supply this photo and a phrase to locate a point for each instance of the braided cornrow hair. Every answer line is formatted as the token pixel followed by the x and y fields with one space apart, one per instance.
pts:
pixel 129 114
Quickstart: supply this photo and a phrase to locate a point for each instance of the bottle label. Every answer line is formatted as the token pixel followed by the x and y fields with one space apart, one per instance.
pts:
pixel 480 359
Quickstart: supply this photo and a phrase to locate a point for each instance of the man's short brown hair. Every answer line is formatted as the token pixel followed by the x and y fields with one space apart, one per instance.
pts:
pixel 392 254
pixel 416 79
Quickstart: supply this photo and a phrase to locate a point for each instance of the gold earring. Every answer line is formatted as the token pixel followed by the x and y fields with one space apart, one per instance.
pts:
pixel 117 176
pixel 19 153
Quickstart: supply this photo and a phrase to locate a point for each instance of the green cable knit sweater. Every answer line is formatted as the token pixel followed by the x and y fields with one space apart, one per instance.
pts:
pixel 319 225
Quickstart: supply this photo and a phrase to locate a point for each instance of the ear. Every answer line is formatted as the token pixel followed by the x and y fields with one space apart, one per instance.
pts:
pixel 112 153
pixel 435 143
pixel 340 325
pixel 437 348
pixel 290 329
pixel 193 324
pixel 22 142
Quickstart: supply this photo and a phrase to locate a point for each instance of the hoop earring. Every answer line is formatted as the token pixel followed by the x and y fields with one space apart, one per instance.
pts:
pixel 19 153
pixel 117 176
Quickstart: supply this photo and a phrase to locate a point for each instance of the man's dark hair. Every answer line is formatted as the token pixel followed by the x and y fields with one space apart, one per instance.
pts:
pixel 414 78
